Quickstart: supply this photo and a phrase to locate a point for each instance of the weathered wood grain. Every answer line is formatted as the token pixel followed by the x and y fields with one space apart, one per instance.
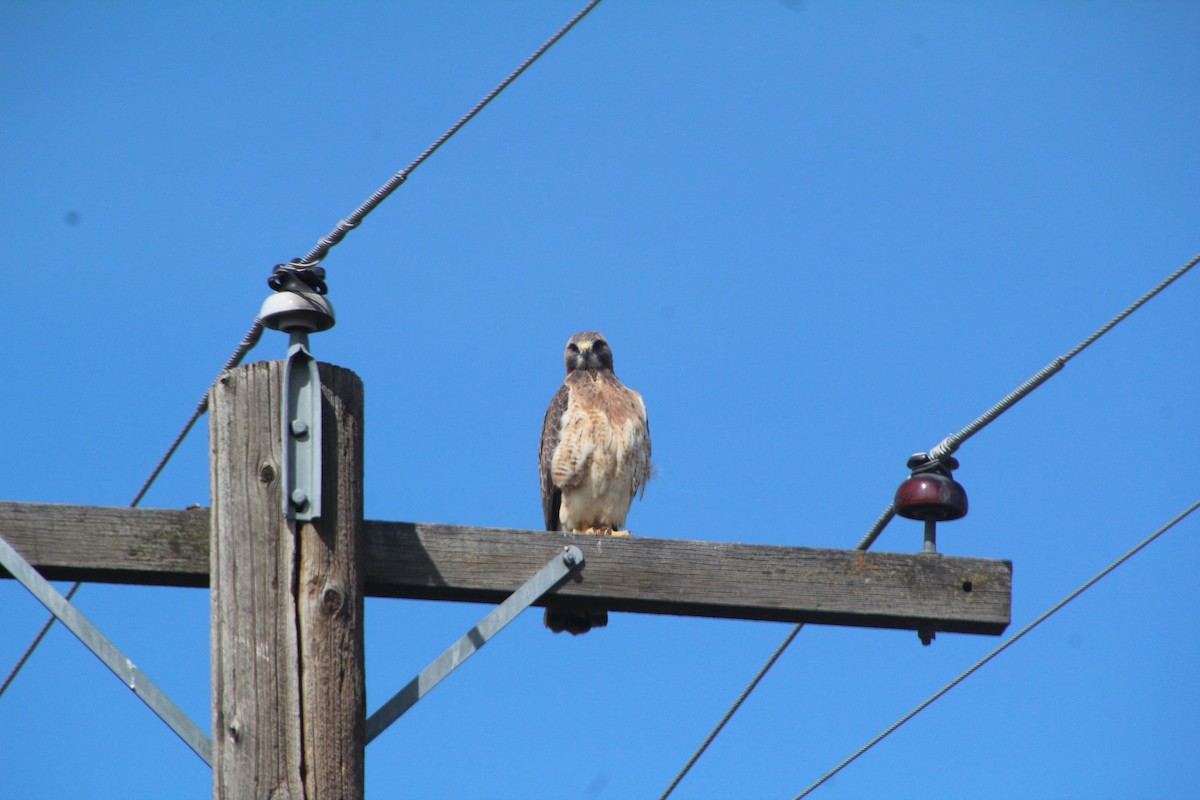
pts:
pixel 695 578
pixel 330 603
pixel 101 544
pixel 663 576
pixel 289 689
pixel 257 750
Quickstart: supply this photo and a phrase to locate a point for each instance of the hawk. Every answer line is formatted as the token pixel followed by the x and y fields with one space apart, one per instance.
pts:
pixel 594 458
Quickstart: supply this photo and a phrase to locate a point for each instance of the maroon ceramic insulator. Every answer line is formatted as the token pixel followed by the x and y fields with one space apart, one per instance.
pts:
pixel 931 495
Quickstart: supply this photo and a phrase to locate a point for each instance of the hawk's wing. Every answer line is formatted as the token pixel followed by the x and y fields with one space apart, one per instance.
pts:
pixel 551 433
pixel 645 467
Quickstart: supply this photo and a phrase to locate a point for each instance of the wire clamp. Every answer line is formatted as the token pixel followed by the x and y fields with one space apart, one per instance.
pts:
pixel 299 302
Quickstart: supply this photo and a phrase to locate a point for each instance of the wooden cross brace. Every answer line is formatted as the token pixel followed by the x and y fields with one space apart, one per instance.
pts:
pixel 157 547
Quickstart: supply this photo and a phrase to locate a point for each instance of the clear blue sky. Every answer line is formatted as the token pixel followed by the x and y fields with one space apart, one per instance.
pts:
pixel 820 236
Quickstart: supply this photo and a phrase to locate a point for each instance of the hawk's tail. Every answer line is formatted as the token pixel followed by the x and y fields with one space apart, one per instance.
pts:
pixel 574 620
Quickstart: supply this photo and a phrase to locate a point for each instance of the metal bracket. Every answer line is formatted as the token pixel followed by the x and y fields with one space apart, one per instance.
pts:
pixel 106 651
pixel 546 579
pixel 301 431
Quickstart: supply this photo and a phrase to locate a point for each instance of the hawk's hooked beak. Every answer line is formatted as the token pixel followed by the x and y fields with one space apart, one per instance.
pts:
pixel 587 357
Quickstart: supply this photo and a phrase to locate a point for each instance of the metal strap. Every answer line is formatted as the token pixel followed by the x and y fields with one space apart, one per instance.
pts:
pixel 106 651
pixel 547 578
pixel 301 411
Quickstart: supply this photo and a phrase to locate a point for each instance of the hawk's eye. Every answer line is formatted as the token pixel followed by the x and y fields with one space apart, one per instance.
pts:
pixel 572 348
pixel 599 344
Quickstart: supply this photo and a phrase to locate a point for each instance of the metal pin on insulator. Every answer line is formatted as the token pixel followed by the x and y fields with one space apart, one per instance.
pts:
pixel 931 495
pixel 299 307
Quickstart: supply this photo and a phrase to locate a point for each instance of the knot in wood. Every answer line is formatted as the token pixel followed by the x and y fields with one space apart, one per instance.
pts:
pixel 333 599
pixel 266 473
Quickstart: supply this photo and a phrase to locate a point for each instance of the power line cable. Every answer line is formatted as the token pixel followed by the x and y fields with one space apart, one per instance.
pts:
pixel 351 222
pixel 34 644
pixel 1011 641
pixel 951 443
pixel 327 242
pixel 943 449
pixel 733 710
pixel 248 342
pixel 314 257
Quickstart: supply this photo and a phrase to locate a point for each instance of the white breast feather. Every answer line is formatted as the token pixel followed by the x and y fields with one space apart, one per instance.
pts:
pixel 600 464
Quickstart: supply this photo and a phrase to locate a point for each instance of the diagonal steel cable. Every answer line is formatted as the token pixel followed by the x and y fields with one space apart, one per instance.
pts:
pixel 315 256
pixel 248 342
pixel 328 241
pixel 1011 641
pixel 944 448
pixel 351 222
pixel 732 710
pixel 951 443
pixel 34 644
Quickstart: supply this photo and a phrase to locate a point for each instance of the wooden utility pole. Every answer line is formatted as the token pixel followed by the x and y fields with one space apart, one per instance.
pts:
pixel 289 698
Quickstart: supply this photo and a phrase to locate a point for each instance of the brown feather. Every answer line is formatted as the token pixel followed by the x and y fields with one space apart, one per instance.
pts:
pixel 551 432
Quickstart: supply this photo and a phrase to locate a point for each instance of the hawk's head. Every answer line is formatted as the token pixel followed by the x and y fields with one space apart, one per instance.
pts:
pixel 588 351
